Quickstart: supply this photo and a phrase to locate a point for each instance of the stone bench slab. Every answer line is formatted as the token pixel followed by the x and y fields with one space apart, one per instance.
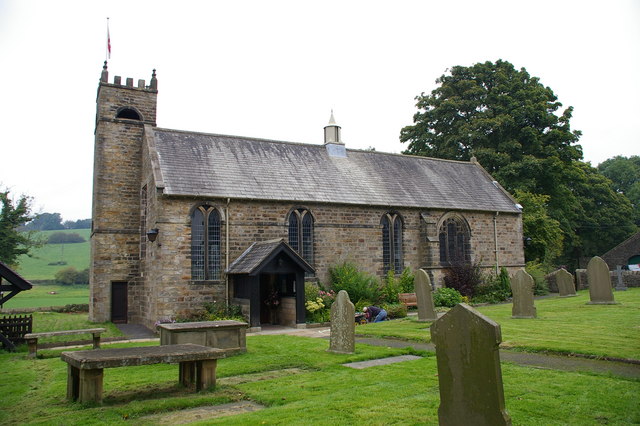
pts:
pixel 85 369
pixel 226 334
pixel 124 357
pixel 202 324
pixel 32 338
pixel 64 333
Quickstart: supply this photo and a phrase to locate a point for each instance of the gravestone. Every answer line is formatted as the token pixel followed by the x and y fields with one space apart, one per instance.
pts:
pixel 469 374
pixel 600 291
pixel 343 326
pixel 620 283
pixel 522 288
pixel 426 309
pixel 566 287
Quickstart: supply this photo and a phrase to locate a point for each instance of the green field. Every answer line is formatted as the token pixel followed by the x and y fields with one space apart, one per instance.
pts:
pixel 37 266
pixel 50 295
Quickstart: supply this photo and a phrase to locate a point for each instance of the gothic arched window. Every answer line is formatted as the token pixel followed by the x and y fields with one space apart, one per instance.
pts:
pixel 205 244
pixel 301 233
pixel 455 239
pixel 392 243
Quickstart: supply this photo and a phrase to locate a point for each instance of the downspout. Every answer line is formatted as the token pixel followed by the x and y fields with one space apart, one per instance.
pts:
pixel 495 240
pixel 226 276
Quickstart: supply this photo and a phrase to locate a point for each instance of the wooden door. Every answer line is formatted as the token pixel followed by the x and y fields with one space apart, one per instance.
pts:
pixel 119 302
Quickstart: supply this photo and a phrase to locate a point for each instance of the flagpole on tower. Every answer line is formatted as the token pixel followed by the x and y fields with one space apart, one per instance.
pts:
pixel 108 53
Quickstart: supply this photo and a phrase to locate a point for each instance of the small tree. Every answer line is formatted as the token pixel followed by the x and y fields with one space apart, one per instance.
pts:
pixel 13 243
pixel 464 277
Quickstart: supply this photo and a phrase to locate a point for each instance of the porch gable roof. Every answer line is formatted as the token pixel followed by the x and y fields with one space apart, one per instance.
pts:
pixel 259 254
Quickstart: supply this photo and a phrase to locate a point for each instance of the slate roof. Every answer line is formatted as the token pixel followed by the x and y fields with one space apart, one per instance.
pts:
pixel 219 166
pixel 259 253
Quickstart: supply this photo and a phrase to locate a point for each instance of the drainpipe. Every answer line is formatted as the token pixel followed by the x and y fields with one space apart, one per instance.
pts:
pixel 226 276
pixel 495 240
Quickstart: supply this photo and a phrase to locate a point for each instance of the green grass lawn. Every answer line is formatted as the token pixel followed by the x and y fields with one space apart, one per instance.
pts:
pixel 564 325
pixel 41 295
pixel 37 266
pixel 299 382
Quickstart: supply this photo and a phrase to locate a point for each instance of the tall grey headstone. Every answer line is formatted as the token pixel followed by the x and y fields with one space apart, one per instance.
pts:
pixel 620 283
pixel 600 291
pixel 469 374
pixel 522 288
pixel 566 287
pixel 426 309
pixel 343 326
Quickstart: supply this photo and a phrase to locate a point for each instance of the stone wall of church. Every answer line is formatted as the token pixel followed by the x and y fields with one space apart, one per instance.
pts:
pixel 115 238
pixel 341 233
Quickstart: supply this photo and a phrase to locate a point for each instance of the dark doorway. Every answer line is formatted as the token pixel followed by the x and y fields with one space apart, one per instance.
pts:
pixel 119 302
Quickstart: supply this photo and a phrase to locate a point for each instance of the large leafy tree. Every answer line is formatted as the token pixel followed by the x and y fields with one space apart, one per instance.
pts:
pixel 516 129
pixel 625 174
pixel 14 243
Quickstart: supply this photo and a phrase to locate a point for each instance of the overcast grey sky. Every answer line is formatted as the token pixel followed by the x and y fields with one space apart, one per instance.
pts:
pixel 275 69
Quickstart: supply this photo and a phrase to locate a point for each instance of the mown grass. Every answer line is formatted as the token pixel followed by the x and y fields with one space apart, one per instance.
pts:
pixel 36 266
pixel 54 321
pixel 40 295
pixel 563 325
pixel 321 391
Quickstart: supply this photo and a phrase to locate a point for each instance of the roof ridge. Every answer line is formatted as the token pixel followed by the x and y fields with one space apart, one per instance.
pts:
pixel 319 145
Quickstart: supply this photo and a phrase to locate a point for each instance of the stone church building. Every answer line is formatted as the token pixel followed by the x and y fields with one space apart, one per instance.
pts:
pixel 182 218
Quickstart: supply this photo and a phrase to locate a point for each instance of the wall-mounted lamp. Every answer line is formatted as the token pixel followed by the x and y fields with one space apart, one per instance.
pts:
pixel 153 234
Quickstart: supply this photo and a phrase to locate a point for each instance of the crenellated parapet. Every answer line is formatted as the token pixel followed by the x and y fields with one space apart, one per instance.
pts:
pixel 117 80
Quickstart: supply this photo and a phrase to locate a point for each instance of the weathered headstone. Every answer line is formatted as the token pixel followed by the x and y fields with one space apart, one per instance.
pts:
pixel 522 288
pixel 426 309
pixel 620 283
pixel 600 291
pixel 566 287
pixel 343 325
pixel 469 374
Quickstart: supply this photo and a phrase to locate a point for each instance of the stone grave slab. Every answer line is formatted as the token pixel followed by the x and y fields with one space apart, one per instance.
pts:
pixel 424 297
pixel 600 290
pixel 343 325
pixel 522 286
pixel 469 374
pixel 566 286
pixel 382 361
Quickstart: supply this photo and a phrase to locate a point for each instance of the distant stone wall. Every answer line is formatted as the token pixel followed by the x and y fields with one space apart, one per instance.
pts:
pixel 629 278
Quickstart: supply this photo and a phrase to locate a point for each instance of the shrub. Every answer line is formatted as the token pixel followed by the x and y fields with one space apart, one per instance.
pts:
pixel 447 297
pixel 71 275
pixel 65 238
pixel 390 288
pixel 538 271
pixel 406 281
pixel 496 288
pixel 317 302
pixel 395 310
pixel 464 277
pixel 359 285
pixel 218 311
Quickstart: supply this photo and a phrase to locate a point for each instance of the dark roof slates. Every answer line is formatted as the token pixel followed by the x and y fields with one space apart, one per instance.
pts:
pixel 196 164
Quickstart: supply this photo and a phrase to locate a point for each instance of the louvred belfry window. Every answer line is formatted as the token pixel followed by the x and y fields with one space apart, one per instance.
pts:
pixel 301 233
pixel 205 244
pixel 392 243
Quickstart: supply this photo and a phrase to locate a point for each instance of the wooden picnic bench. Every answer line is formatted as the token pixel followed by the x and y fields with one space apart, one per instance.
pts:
pixel 85 368
pixel 408 299
pixel 32 338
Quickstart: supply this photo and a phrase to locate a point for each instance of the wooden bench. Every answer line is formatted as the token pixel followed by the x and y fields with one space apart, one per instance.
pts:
pixel 408 299
pixel 85 368
pixel 32 338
